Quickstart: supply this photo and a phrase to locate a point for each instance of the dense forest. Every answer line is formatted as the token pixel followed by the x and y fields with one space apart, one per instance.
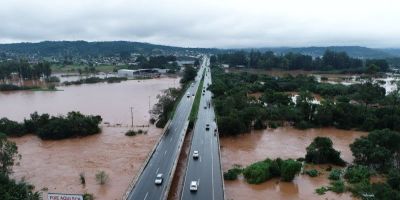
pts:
pixel 358 106
pixel 330 60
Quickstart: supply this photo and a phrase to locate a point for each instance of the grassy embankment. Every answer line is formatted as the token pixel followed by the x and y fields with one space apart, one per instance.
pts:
pixel 196 104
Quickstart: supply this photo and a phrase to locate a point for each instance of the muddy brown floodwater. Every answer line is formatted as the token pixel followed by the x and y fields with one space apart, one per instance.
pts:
pixel 284 142
pixel 55 165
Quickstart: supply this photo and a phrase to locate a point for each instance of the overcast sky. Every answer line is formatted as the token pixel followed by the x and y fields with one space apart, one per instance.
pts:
pixel 205 23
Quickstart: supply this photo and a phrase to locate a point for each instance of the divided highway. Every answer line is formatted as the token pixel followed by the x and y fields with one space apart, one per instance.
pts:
pixel 206 169
pixel 167 151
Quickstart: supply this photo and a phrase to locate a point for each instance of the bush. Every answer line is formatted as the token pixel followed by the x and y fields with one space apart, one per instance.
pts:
pixel 337 186
pixel 82 178
pixel 12 128
pixel 230 175
pixel 289 169
pixel 12 190
pixel 312 172
pixel 275 167
pixel 257 173
pixel 88 196
pixel 101 177
pixel 320 151
pixel 321 191
pixel 130 133
pixel 335 174
pixel 357 173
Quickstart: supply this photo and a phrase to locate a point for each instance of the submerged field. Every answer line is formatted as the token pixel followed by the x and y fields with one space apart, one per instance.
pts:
pixel 55 166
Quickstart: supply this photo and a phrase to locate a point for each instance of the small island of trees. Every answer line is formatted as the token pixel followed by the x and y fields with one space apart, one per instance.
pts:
pixel 48 127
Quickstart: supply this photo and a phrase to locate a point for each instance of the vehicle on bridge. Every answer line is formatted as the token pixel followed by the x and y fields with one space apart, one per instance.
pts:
pixel 195 154
pixel 159 179
pixel 193 186
pixel 207 127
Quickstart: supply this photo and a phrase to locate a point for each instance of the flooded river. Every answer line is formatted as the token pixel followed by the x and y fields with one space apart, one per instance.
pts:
pixel 54 166
pixel 284 142
pixel 111 101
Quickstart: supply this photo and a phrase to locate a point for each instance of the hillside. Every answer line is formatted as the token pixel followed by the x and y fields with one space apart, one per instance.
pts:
pixel 83 48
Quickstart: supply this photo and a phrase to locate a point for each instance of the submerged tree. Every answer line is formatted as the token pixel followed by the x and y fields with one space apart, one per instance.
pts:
pixel 320 151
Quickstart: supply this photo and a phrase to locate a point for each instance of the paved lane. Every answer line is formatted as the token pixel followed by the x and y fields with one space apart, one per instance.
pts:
pixel 207 168
pixel 166 153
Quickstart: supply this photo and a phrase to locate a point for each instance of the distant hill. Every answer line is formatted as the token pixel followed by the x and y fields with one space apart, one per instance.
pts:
pixel 353 51
pixel 83 48
pixel 395 52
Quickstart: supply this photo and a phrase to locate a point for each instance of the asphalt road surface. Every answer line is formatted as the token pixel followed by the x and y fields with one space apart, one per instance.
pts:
pixel 167 150
pixel 206 170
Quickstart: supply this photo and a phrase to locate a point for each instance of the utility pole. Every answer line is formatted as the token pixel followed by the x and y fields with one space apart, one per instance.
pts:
pixel 132 116
pixel 149 104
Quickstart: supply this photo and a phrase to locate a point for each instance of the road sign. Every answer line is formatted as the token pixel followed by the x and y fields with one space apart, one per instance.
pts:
pixel 58 196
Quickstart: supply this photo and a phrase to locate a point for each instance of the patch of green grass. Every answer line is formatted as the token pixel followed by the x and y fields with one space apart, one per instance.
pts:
pixel 196 103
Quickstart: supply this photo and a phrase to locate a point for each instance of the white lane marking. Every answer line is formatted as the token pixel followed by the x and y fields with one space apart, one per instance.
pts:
pixel 165 152
pixel 170 139
pixel 198 182
pixel 157 170
pixel 200 159
pixel 212 166
pixel 145 197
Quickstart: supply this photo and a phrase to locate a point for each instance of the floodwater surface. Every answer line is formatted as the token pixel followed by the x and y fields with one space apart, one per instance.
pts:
pixel 284 142
pixel 55 166
pixel 111 101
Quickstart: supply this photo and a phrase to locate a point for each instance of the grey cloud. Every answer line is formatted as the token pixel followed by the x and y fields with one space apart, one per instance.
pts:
pixel 205 23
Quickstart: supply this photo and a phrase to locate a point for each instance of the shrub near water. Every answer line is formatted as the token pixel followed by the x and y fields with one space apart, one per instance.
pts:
pixel 264 170
pixel 335 174
pixel 257 172
pixel 321 151
pixel 289 169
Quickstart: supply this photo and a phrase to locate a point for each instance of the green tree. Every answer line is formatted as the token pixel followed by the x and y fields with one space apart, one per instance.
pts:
pixel 321 151
pixel 379 150
pixel 289 169
pixel 188 74
pixel 8 154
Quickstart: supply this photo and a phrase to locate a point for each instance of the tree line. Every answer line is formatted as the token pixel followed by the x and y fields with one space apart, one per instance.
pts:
pixel 167 101
pixel 331 60
pixel 48 127
pixel 24 70
pixel 361 106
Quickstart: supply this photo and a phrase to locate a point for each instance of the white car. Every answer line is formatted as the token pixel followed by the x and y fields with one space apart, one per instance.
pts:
pixel 188 95
pixel 195 154
pixel 207 127
pixel 159 179
pixel 193 186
